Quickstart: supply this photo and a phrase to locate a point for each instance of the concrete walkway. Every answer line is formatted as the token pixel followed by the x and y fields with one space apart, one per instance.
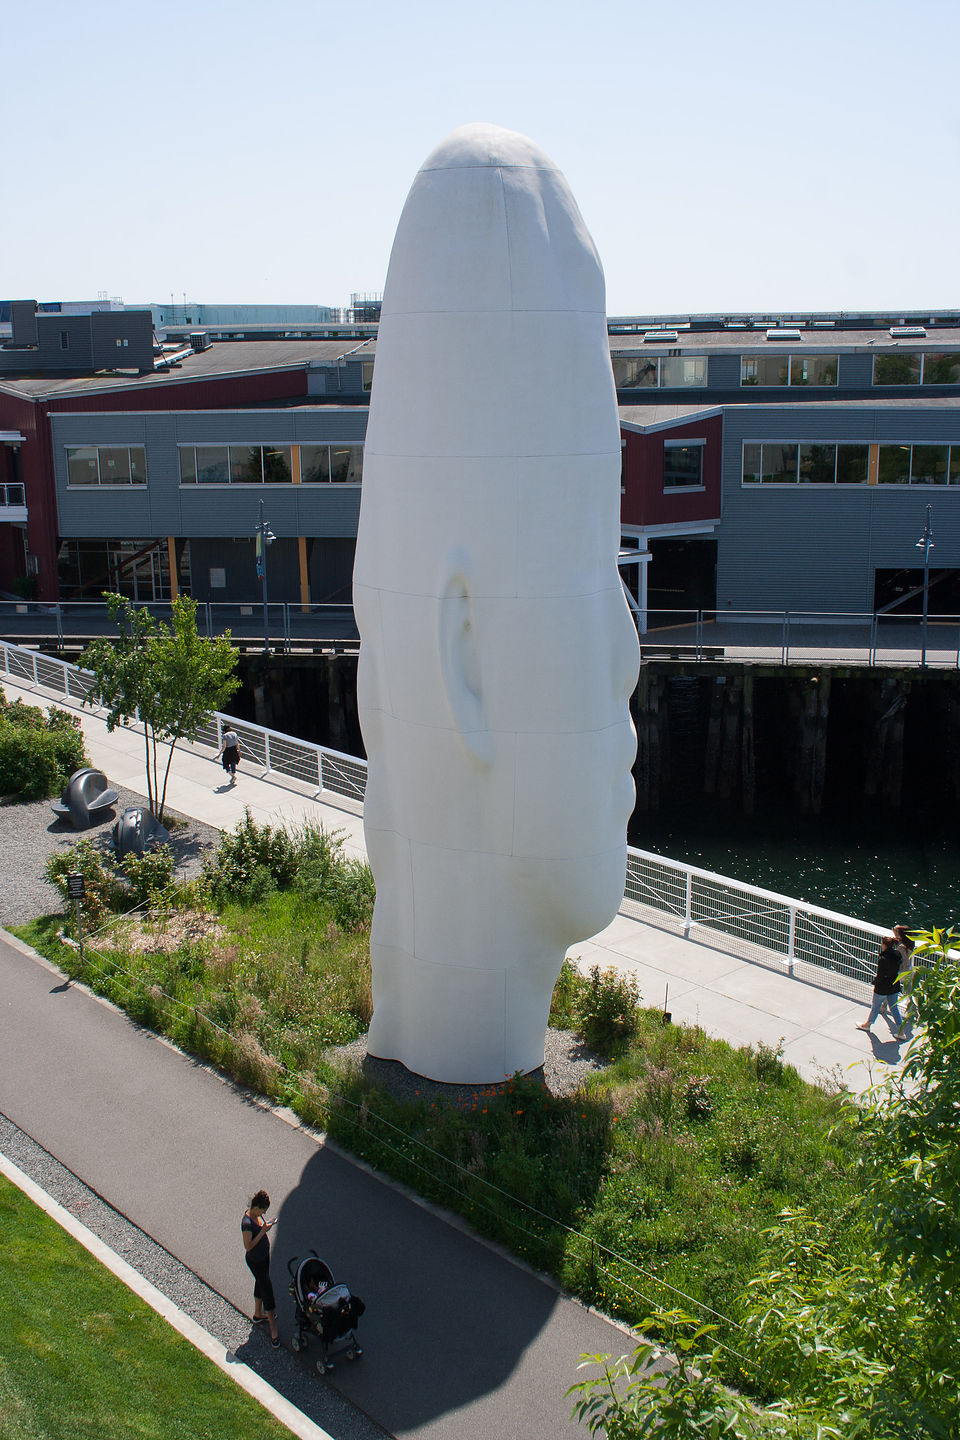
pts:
pixel 730 997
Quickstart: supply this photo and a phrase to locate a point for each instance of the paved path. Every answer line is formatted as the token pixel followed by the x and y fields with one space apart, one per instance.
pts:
pixel 460 1342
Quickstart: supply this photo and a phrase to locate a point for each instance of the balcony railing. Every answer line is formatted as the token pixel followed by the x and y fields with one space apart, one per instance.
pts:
pixel 778 637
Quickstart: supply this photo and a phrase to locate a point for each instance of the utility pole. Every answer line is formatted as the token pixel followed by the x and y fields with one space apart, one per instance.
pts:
pixel 925 543
pixel 265 537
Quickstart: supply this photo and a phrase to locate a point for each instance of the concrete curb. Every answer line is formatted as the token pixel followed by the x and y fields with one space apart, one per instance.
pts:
pixel 248 1380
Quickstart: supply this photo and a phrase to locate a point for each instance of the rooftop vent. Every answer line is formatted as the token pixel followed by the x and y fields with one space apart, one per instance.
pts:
pixel 663 335
pixel 783 332
pixel 908 332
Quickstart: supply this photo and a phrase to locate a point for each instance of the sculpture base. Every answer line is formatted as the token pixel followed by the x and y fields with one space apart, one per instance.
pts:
pixel 567 1063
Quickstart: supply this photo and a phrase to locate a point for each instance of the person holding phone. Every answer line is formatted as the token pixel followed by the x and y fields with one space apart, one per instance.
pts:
pixel 254 1227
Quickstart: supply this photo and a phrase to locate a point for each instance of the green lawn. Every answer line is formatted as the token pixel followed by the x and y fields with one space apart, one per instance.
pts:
pixel 81 1355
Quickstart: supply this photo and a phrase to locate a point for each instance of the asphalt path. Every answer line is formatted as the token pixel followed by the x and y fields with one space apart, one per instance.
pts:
pixel 459 1341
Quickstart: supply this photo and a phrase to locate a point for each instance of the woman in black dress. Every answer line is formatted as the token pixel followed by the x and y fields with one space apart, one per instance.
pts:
pixel 253 1228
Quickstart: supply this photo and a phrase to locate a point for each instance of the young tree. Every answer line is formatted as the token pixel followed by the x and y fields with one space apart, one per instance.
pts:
pixel 166 676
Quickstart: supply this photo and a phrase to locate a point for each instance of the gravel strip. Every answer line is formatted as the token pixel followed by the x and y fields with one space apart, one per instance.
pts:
pixel 281 1369
pixel 31 833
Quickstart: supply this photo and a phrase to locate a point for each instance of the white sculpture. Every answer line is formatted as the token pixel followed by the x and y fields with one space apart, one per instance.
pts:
pixel 498 654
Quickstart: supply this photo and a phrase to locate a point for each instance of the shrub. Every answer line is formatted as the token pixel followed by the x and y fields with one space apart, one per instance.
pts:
pixel 150 874
pixel 102 891
pixel 698 1099
pixel 768 1062
pixel 608 1010
pixel 38 754
pixel 566 996
pixel 255 860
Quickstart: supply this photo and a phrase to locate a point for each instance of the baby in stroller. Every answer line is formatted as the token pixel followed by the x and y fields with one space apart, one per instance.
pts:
pixel 325 1309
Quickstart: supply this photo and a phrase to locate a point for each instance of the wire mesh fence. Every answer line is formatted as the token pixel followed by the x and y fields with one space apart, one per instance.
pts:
pixel 793 936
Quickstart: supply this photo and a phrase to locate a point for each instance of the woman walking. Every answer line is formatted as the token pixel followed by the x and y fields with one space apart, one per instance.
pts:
pixel 256 1243
pixel 230 753
pixel 886 986
pixel 906 947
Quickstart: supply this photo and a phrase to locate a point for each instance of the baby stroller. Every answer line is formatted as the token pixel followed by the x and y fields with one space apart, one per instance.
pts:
pixel 325 1309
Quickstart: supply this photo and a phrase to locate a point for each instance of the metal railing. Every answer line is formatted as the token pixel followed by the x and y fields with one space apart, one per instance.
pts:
pixel 289 625
pixel 797 938
pixel 792 936
pixel 783 637
pixel 324 771
pixel 801 637
pixel 14 494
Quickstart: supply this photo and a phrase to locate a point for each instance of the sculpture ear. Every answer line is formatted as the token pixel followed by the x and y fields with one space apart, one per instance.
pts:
pixel 460 667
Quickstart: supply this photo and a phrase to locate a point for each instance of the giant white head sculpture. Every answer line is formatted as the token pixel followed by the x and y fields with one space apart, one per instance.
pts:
pixel 497 651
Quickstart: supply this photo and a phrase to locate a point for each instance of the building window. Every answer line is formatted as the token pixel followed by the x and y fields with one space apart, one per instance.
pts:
pixel 682 465
pixel 941 369
pixel 919 465
pixel 666 372
pixel 331 464
pixel 917 368
pixel 106 465
pixel 805 464
pixel 367 376
pixel 64 340
pixel 788 369
pixel 236 464
pixel 897 369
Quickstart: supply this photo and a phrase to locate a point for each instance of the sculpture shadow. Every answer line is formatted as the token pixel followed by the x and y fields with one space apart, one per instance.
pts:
pixel 448 1319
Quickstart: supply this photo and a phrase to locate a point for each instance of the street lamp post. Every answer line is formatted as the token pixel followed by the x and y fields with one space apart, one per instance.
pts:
pixel 265 537
pixel 925 543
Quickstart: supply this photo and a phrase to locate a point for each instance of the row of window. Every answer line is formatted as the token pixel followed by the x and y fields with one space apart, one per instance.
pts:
pixel 270 464
pixel 788 369
pixel 106 465
pixel 674 373
pixel 219 464
pixel 918 369
pixel 666 372
pixel 814 464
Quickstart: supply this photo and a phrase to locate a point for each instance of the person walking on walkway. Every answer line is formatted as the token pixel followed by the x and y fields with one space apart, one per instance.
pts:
pixel 256 1243
pixel 230 753
pixel 906 947
pixel 886 986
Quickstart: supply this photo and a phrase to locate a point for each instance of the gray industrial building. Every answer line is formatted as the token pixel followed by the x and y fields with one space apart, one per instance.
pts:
pixel 774 462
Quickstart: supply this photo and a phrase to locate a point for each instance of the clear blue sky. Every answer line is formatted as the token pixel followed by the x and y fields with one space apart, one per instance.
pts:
pixel 750 154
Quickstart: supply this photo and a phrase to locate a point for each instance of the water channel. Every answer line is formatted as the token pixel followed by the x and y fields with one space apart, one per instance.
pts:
pixel 877 872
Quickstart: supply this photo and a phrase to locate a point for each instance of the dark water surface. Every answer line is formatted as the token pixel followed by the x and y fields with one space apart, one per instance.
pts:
pixel 877 871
